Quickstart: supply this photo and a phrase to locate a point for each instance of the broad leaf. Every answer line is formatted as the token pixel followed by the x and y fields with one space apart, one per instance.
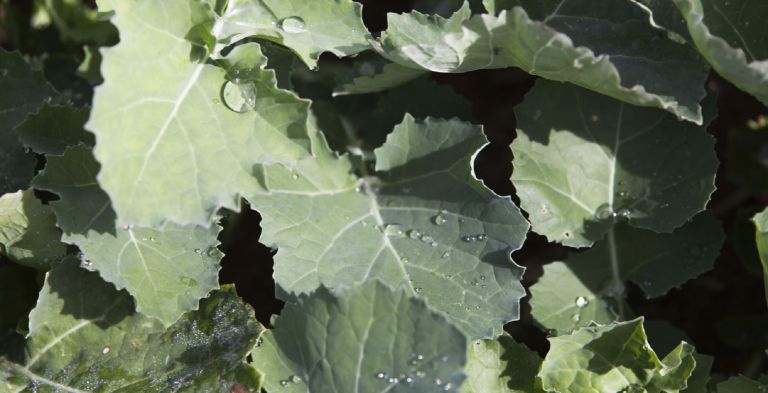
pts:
pixel 85 336
pixel 372 77
pixel 610 47
pixel 613 358
pixel 366 339
pixel 742 384
pixel 79 24
pixel 421 222
pixel 307 28
pixel 731 36
pixel 761 224
pixel 176 139
pixel 501 366
pixel 589 286
pixel 168 270
pixel 583 160
pixel 54 128
pixel 22 91
pixel 28 233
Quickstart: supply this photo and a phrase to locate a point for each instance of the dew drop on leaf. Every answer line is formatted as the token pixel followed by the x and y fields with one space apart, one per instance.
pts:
pixel 438 220
pixel 239 97
pixel 576 317
pixel 625 213
pixel 446 255
pixel 414 234
pixel 394 231
pixel 381 375
pixel 293 25
pixel 604 212
pixel 295 379
pixel 581 302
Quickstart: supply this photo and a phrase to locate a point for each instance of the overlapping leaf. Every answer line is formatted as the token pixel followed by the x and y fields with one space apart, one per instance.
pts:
pixel 761 224
pixel 171 140
pixel 307 28
pixel 366 339
pixel 613 358
pixel 373 77
pixel 501 366
pixel 28 233
pixel 22 90
pixel 54 128
pixel 78 23
pixel 742 384
pixel 610 47
pixel 422 222
pixel 589 286
pixel 582 160
pixel 167 270
pixel 85 336
pixel 731 36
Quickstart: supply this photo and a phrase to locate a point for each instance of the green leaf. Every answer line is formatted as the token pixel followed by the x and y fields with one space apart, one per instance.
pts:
pixel 501 366
pixel 365 339
pixel 609 47
pixel 307 28
pixel 741 384
pixel 28 232
pixel 370 77
pixel 79 24
pixel 189 151
pixel 761 224
pixel 22 90
pixel 583 160
pixel 699 379
pixel 167 270
pixel 54 128
pixel 97 342
pixel 731 40
pixel 613 358
pixel 421 222
pixel 589 286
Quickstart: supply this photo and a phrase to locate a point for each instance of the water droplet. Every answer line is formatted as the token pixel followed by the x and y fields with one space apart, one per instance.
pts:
pixel 576 317
pixel 295 379
pixel 259 342
pixel 439 220
pixel 404 259
pixel 293 25
pixel 106 350
pixel 418 290
pixel 625 213
pixel 427 239
pixel 239 97
pixel 482 278
pixel 198 251
pixel 448 386
pixel 446 255
pixel 468 238
pixel 604 212
pixel 581 302
pixel 295 176
pixel 414 234
pixel 284 383
pixel 381 375
pixel 420 374
pixel 212 252
pixel 438 381
pixel 394 231
pixel 358 189
pixel 481 237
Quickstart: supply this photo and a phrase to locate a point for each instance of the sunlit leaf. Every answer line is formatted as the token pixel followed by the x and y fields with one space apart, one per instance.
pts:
pixel 501 366
pixel 28 232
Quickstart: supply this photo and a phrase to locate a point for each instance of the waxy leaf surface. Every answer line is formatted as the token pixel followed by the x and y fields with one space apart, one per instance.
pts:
pixel 167 270
pixel 28 232
pixel 366 339
pixel 85 336
pixel 761 224
pixel 421 222
pixel 609 47
pixel 177 138
pixel 581 160
pixel 501 366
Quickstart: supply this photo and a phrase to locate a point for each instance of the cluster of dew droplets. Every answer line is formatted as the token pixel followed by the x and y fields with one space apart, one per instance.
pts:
pixel 290 380
pixel 416 373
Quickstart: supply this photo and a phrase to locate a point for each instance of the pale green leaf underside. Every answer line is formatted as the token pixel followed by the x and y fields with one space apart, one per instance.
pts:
pixel 409 226
pixel 761 224
pixel 85 337
pixel 167 270
pixel 22 91
pixel 308 28
pixel 169 146
pixel 580 156
pixel 28 233
pixel 501 366
pixel 731 36
pixel 611 358
pixel 577 41
pixel 573 293
pixel 366 339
